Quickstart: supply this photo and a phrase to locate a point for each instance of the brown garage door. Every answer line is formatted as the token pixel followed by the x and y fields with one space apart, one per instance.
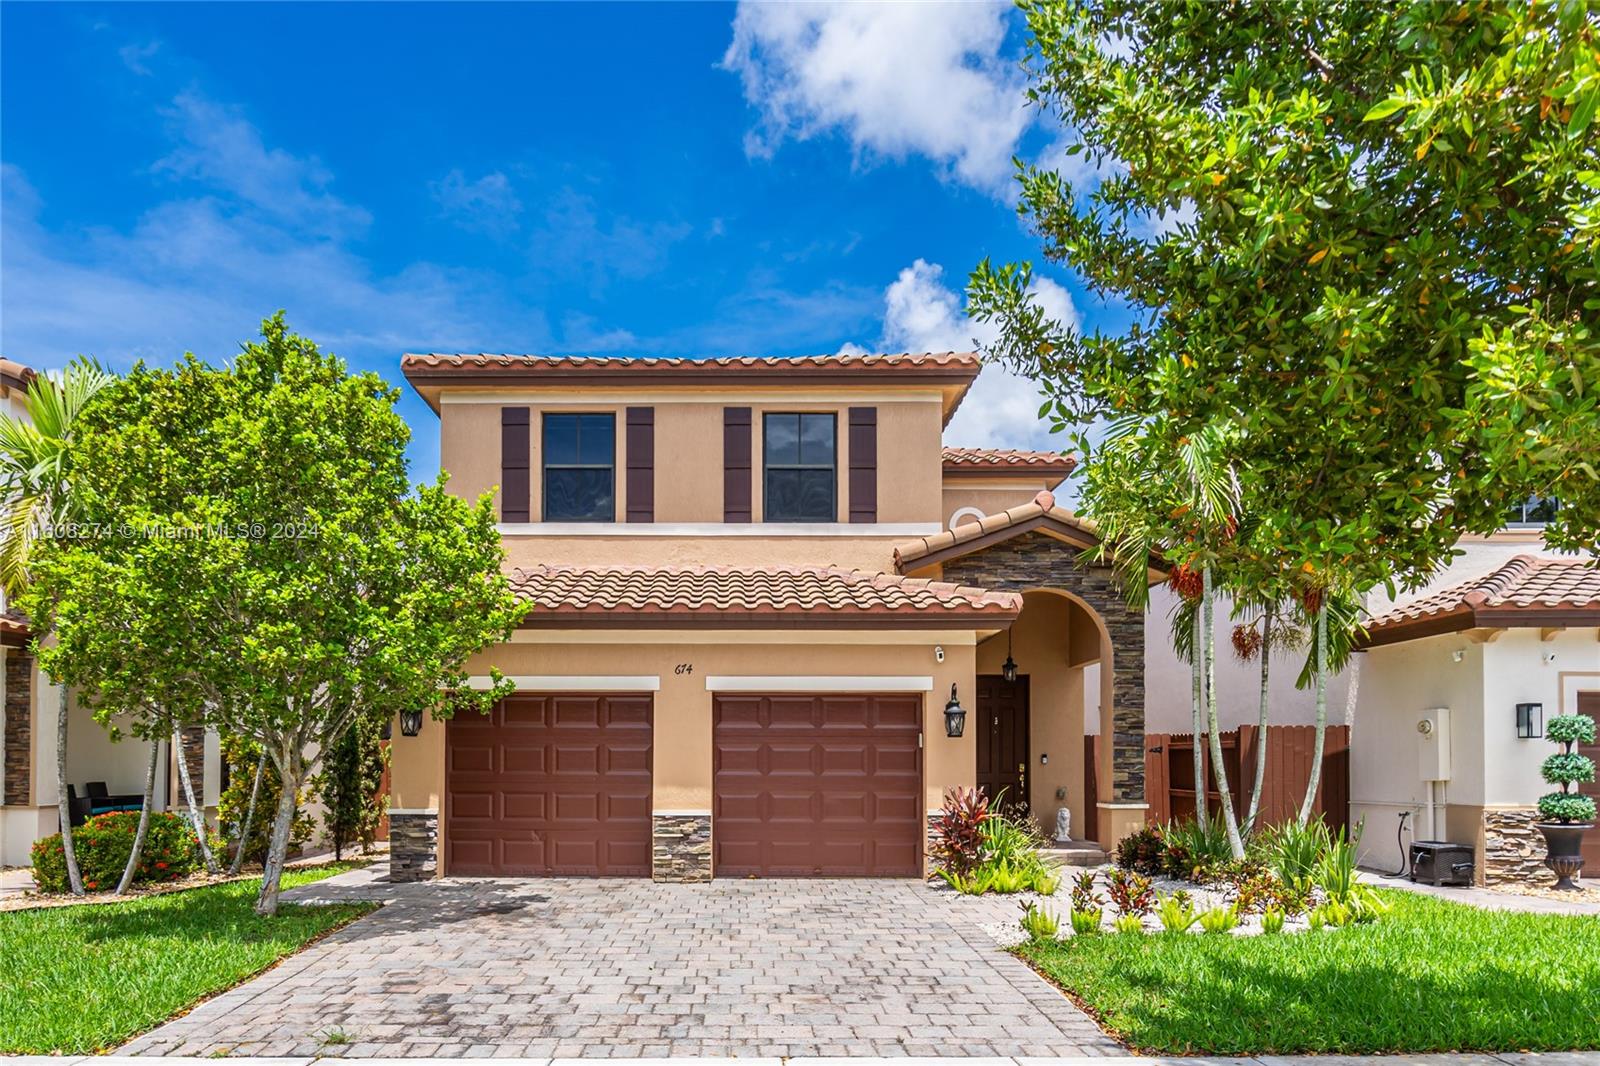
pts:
pixel 817 786
pixel 550 785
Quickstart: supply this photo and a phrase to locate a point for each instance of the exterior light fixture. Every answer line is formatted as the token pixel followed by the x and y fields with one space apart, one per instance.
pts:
pixel 410 723
pixel 1530 721
pixel 955 716
pixel 1008 669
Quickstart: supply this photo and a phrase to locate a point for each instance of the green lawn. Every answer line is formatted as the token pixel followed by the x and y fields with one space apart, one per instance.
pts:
pixel 1430 976
pixel 80 979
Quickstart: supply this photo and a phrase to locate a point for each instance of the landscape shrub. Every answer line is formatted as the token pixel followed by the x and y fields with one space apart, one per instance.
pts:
pixel 1142 852
pixel 1131 893
pixel 1193 851
pixel 103 844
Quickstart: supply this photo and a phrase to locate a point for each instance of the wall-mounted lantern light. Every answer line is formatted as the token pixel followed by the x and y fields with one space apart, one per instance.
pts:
pixel 1008 669
pixel 955 716
pixel 1530 721
pixel 410 723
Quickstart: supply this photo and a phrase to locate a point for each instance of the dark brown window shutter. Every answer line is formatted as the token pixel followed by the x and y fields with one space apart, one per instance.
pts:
pixel 641 464
pixel 863 464
pixel 515 453
pixel 736 464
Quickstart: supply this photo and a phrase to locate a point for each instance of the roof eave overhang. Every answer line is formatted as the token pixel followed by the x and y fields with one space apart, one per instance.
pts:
pixel 1464 618
pixel 1019 472
pixel 718 619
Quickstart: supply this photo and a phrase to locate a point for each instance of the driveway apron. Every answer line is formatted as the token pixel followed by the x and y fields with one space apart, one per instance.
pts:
pixel 630 968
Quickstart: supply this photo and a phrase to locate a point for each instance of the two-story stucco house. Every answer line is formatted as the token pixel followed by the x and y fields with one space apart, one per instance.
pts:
pixel 763 591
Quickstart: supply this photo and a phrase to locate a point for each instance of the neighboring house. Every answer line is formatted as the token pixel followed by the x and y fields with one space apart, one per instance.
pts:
pixel 749 613
pixel 29 805
pixel 1497 632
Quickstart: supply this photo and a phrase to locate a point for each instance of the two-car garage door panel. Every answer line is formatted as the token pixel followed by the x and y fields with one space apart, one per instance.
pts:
pixel 556 784
pixel 808 785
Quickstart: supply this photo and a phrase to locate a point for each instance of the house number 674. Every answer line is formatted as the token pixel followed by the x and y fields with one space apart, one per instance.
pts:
pixel 683 668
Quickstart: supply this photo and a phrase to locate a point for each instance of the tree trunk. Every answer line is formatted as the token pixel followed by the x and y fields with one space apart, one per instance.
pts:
pixel 1230 819
pixel 196 819
pixel 249 815
pixel 144 819
pixel 282 824
pixel 1310 801
pixel 74 878
pixel 1197 722
pixel 1261 726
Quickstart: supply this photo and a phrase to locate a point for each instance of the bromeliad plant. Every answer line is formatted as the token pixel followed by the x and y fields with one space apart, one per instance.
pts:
pixel 982 848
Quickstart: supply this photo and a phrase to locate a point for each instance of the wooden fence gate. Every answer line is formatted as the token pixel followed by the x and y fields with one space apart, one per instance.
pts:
pixel 1169 785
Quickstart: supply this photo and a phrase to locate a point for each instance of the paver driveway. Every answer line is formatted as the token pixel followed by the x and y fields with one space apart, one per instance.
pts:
pixel 564 967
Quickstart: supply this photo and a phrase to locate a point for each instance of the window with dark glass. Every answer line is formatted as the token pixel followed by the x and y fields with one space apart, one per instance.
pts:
pixel 798 452
pixel 1534 511
pixel 579 468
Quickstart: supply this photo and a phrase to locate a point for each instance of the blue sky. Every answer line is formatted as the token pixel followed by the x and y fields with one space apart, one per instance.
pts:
pixel 692 179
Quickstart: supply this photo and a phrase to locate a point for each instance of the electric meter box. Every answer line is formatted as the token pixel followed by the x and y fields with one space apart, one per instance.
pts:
pixel 1433 744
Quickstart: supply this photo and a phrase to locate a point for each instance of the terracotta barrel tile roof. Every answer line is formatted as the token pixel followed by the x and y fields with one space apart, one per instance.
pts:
pixel 1006 461
pixel 729 597
pixel 963 365
pixel 14 375
pixel 1041 511
pixel 1529 590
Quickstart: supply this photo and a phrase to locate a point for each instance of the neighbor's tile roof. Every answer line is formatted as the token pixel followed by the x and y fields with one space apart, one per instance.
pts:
pixel 1529 590
pixel 1006 461
pixel 1041 511
pixel 15 631
pixel 731 597
pixel 482 364
pixel 13 375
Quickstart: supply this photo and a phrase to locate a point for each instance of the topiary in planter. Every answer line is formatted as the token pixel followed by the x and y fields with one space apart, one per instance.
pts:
pixel 1567 815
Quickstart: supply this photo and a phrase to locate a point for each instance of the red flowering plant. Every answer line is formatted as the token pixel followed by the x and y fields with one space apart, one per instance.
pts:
pixel 103 844
pixel 957 845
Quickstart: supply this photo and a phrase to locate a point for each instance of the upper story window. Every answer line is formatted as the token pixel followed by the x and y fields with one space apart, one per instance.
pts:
pixel 1534 511
pixel 580 468
pixel 798 468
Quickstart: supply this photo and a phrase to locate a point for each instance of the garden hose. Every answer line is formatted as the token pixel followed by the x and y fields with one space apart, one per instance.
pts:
pixel 1399 839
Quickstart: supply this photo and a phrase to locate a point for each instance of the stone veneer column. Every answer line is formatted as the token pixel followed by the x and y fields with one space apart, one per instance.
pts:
pixel 192 739
pixel 413 845
pixel 1035 561
pixel 1513 850
pixel 18 789
pixel 680 846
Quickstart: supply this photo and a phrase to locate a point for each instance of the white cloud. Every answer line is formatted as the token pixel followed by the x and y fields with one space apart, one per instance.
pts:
pixel 923 314
pixel 896 78
pixel 574 237
pixel 217 147
pixel 133 56
pixel 486 205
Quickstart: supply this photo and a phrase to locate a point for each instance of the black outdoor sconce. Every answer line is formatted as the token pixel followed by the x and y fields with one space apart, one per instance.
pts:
pixel 410 723
pixel 1008 669
pixel 1530 721
pixel 955 716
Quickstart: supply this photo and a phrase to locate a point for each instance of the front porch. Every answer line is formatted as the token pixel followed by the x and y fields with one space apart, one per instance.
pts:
pixel 1076 670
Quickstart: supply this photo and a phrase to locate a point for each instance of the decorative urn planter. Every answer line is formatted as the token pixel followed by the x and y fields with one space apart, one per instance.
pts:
pixel 1565 844
pixel 1567 815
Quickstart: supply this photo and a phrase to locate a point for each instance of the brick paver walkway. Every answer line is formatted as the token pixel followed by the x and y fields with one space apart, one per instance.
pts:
pixel 628 968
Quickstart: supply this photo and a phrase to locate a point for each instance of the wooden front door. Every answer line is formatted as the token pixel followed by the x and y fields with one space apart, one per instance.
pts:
pixel 1589 704
pixel 1002 727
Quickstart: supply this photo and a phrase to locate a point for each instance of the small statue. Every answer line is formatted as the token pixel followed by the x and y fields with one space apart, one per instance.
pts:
pixel 1063 825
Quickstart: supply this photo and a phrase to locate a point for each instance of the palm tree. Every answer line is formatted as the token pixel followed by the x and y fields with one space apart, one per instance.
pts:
pixel 36 499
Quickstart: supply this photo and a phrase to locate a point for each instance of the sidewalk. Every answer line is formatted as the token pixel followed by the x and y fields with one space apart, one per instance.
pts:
pixel 1581 1058
pixel 1486 898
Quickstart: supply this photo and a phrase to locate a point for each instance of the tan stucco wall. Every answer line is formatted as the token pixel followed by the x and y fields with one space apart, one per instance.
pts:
pixel 989 497
pixel 620 550
pixel 688 447
pixel 682 769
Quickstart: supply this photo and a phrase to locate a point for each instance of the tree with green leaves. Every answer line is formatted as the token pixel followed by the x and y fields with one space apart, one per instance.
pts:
pixel 1364 235
pixel 352 774
pixel 38 496
pixel 266 540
